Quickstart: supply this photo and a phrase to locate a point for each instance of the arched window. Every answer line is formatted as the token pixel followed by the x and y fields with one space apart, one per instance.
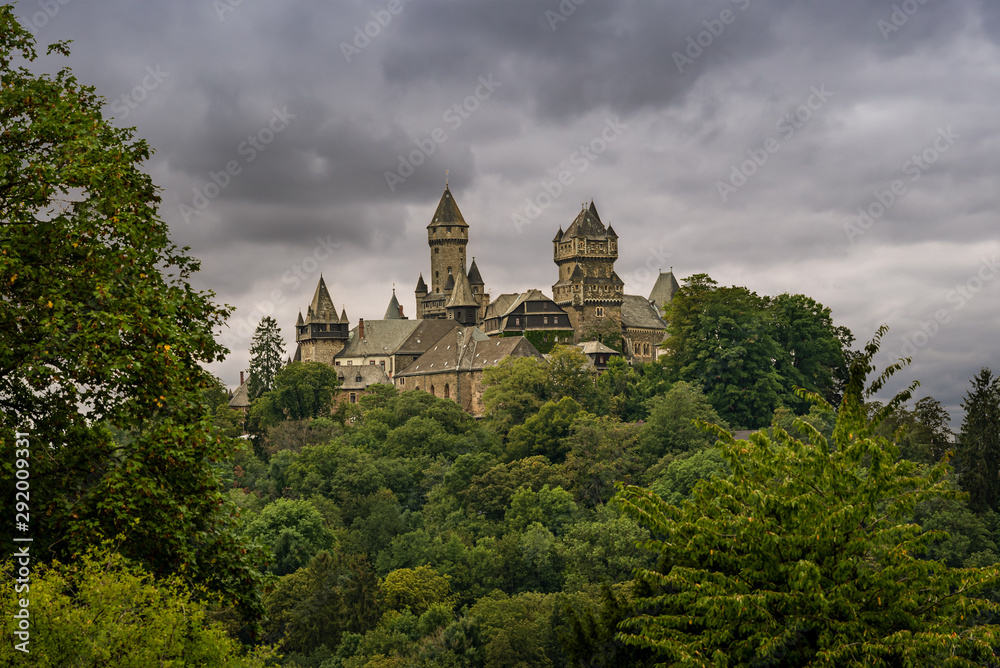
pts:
pixel 599 311
pixel 432 390
pixel 645 349
pixel 447 391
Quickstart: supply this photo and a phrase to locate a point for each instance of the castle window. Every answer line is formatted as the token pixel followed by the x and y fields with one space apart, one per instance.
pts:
pixel 337 363
pixel 354 398
pixel 645 349
pixel 517 321
pixel 447 391
pixel 357 379
pixel 545 320
pixel 371 362
pixel 448 229
pixel 599 311
pixel 350 362
pixel 437 250
pixel 432 391
pixel 449 271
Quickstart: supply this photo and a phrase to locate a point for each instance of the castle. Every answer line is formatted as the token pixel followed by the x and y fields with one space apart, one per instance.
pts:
pixel 459 330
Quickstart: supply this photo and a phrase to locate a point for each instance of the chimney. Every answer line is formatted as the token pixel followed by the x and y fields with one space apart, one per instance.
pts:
pixel 361 328
pixel 401 312
pixel 241 377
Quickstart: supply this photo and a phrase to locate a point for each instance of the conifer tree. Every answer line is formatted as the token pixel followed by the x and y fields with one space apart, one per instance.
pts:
pixel 805 555
pixel 267 352
pixel 978 456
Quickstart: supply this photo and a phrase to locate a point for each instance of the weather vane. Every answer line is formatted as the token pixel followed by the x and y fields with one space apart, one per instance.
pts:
pixel 446 178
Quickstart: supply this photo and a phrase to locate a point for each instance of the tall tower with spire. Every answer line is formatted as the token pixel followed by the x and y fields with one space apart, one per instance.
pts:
pixel 588 288
pixel 322 333
pixel 448 238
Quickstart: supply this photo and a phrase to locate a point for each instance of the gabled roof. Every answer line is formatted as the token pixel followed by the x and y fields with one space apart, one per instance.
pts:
pixel 392 311
pixel 421 286
pixel 462 295
pixel 382 337
pixel 499 306
pixel 596 347
pixel 474 277
pixel 447 212
pixel 370 374
pixel 321 308
pixel 468 349
pixel 427 333
pixel 532 295
pixel 664 289
pixel 637 312
pixel 586 225
pixel 241 397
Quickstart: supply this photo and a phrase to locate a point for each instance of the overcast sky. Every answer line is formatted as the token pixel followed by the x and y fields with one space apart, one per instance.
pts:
pixel 737 138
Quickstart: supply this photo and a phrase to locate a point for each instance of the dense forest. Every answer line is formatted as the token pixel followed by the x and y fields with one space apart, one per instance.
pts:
pixel 586 520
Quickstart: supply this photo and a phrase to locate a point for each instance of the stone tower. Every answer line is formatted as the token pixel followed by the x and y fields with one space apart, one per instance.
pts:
pixel 322 334
pixel 588 288
pixel 462 306
pixel 448 236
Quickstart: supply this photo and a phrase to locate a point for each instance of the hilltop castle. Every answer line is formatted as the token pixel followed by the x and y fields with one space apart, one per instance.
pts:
pixel 588 302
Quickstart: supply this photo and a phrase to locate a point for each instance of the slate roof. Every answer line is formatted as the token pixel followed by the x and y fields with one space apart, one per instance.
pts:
pixel 587 225
pixel 392 311
pixel 241 397
pixel 421 286
pixel 532 295
pixel 371 374
pixel 595 348
pixel 637 312
pixel 664 289
pixel 462 294
pixel 501 305
pixel 474 276
pixel 449 284
pixel 321 308
pixel 468 349
pixel 447 212
pixel 382 337
pixel 427 333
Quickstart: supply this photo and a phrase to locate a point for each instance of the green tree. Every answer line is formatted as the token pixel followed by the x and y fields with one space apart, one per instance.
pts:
pixel 545 432
pixel 572 375
pixel 101 334
pixel 267 357
pixel 299 391
pixel 294 530
pixel 416 589
pixel 670 427
pixel 723 339
pixel 103 610
pixel 978 453
pixel 514 390
pixel 804 329
pixel 804 556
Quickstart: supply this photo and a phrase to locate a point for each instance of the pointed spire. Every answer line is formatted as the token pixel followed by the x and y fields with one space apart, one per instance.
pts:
pixel 447 212
pixel 392 311
pixel 611 232
pixel 558 236
pixel 593 209
pixel 321 307
pixel 462 295
pixel 449 285
pixel 474 276
pixel 421 286
pixel 343 317
pixel 299 321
